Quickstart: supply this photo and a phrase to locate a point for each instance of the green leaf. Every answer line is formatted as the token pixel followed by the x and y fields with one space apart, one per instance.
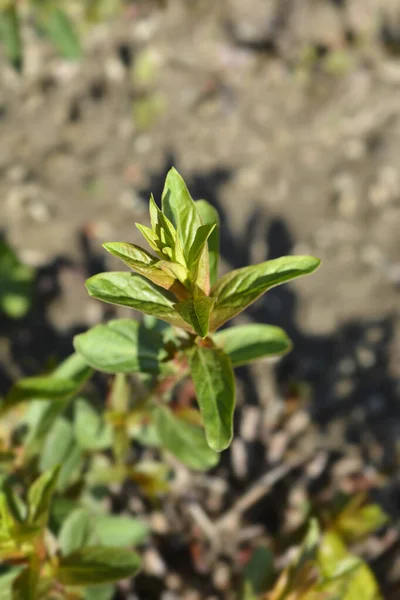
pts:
pixel 39 497
pixel 150 236
pixel 99 592
pixel 142 262
pixel 6 581
pixel 128 289
pixel 184 440
pixel 209 216
pixel 25 585
pixel 41 415
pixel 40 387
pixel 120 346
pixel 91 432
pixel 16 283
pixel 355 583
pixel 114 531
pixel 179 207
pixel 60 386
pixel 169 244
pixel 10 35
pixel 77 531
pixel 357 522
pixel 213 379
pixel 60 448
pixel 14 503
pixel 196 313
pixel 94 566
pixel 259 571
pixel 247 343
pixel 239 288
pixel 74 368
pixel 58 444
pixel 197 248
pixel 61 31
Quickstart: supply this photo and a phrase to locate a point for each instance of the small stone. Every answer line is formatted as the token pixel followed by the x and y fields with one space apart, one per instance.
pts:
pixel 366 357
pixel 298 423
pixel 114 70
pixel 277 446
pixel 221 576
pixel 159 523
pixel 38 211
pixel 249 423
pixel 153 564
pixel 317 465
pixel 173 582
pixel 239 458
pixel 347 466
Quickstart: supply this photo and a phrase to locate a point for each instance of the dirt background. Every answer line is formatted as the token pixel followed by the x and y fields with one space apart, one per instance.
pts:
pixel 286 116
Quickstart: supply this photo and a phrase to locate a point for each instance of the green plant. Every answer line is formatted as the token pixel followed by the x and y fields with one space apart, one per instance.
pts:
pixel 179 284
pixel 65 436
pixel 16 283
pixel 324 569
pixel 40 567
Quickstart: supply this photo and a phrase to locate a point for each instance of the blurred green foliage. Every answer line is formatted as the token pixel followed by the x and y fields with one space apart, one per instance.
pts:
pixel 16 283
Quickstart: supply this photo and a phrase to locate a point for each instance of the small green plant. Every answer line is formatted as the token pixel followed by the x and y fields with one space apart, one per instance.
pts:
pixel 16 283
pixel 179 284
pixel 324 569
pixel 41 567
pixel 77 444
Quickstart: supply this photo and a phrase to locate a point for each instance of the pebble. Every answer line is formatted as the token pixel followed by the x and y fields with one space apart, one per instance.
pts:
pixel 347 466
pixel 239 458
pixel 159 523
pixel 317 465
pixel 298 423
pixel 114 70
pixel 173 582
pixel 153 564
pixel 221 576
pixel 366 357
pixel 277 446
pixel 249 423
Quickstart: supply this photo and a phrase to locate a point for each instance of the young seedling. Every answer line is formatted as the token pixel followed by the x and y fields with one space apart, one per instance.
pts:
pixel 177 282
